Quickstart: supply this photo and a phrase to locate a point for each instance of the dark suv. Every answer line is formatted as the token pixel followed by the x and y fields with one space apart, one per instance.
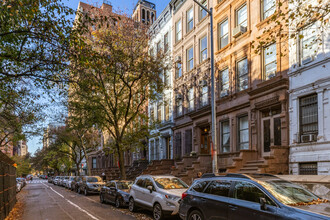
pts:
pixel 255 196
pixel 90 184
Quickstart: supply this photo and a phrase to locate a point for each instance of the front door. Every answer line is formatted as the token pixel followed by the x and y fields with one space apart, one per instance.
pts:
pixel 271 133
pixel 205 141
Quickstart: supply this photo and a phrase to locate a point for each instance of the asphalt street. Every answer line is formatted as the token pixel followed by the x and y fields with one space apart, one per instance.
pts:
pixel 45 201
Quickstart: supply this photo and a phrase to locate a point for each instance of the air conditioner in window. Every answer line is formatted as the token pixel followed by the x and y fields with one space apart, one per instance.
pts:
pixel 178 59
pixel 308 138
pixel 239 30
pixel 307 60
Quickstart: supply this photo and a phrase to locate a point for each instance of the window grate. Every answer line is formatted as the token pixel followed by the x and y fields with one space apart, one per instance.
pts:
pixel 307 168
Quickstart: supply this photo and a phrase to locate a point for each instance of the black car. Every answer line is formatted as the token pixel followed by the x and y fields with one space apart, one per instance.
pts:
pixel 255 196
pixel 90 184
pixel 116 192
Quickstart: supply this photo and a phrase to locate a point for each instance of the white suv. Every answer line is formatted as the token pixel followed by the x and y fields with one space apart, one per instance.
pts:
pixel 161 194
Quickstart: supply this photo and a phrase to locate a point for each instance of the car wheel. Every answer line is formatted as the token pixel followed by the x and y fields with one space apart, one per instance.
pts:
pixel 195 215
pixel 131 205
pixel 85 192
pixel 158 212
pixel 102 198
pixel 117 203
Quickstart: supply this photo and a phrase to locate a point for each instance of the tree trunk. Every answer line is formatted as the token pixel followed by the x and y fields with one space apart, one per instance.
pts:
pixel 78 169
pixel 121 163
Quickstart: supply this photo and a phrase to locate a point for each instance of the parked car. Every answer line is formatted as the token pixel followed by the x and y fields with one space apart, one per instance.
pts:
pixel 22 180
pixel 65 180
pixel 56 180
pixel 90 184
pixel 116 192
pixel 29 177
pixel 161 194
pixel 18 185
pixel 60 182
pixel 74 183
pixel 68 182
pixel 255 196
pixel 50 179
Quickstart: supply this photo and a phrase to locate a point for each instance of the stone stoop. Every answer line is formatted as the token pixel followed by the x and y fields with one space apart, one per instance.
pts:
pixel 253 166
pixel 201 164
pixel 159 167
pixel 278 161
pixel 136 169
pixel 241 160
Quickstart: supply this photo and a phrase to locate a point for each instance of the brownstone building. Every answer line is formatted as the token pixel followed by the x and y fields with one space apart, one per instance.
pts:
pixel 252 98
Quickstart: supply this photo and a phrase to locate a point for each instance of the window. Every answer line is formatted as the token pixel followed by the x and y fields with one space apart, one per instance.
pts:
pixel 167 78
pixel 166 42
pixel 152 150
pixel 219 188
pixel 223 34
pixel 93 162
pixel 241 16
pixel 190 58
pixel 178 144
pixel 191 100
pixel 224 82
pixel 243 133
pixel 203 49
pixel 188 141
pixel 199 186
pixel 202 12
pixel 167 109
pixel 242 74
pixel 178 106
pixel 178 70
pixel 178 31
pixel 270 61
pixel 152 114
pixel 159 112
pixel 308 44
pixel 268 8
pixel 308 117
pixel 156 157
pixel 158 46
pixel 190 19
pixel 248 192
pixel 140 182
pixel 204 94
pixel 225 137
pixel 307 168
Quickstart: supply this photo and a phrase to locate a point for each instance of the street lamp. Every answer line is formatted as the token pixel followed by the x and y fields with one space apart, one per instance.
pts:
pixel 214 127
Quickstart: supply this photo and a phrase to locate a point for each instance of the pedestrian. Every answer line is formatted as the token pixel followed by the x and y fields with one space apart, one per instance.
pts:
pixel 104 177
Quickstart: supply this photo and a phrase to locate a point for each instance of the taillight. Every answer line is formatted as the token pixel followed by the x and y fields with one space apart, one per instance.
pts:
pixel 184 195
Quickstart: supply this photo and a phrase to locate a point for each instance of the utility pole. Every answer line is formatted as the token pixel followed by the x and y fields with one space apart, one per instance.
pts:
pixel 214 126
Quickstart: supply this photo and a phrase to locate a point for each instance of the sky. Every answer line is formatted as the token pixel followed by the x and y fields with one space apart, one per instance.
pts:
pixel 125 6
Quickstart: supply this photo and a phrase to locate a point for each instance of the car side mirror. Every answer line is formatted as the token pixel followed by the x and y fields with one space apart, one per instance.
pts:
pixel 150 188
pixel 263 205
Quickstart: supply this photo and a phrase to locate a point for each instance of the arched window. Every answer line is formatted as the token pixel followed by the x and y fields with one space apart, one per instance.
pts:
pixel 152 17
pixel 148 16
pixel 143 15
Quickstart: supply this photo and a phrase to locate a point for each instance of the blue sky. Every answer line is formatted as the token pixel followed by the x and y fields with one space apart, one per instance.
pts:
pixel 125 6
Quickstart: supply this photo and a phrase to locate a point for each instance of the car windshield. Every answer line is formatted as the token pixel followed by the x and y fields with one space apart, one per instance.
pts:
pixel 291 194
pixel 124 185
pixel 170 183
pixel 94 179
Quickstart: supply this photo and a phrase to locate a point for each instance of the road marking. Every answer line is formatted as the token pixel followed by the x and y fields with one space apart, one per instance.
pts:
pixel 75 205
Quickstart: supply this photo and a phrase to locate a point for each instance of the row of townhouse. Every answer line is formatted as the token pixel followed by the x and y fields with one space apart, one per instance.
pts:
pixel 272 107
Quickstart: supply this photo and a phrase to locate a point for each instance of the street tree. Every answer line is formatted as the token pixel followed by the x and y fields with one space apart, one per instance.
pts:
pixel 115 76
pixel 288 18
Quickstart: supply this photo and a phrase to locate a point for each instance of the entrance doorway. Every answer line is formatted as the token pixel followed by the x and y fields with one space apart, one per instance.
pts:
pixel 205 141
pixel 271 131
